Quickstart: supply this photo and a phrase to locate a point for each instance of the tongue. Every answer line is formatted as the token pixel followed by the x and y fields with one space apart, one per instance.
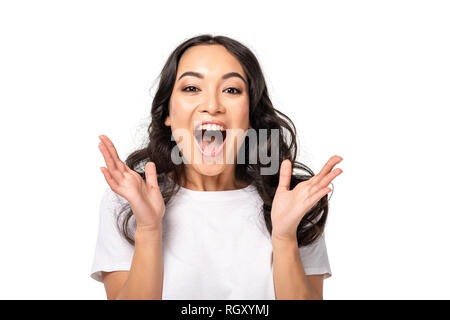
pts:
pixel 209 146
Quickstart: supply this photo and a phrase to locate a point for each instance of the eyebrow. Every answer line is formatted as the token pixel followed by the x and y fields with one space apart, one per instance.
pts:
pixel 225 76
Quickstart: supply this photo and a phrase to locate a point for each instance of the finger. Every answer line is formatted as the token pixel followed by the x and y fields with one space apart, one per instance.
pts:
pixel 109 179
pixel 328 166
pixel 317 196
pixel 328 178
pixel 110 163
pixel 285 175
pixel 113 152
pixel 150 174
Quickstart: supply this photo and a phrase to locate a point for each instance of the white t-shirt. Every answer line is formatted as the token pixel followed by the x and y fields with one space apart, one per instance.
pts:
pixel 215 246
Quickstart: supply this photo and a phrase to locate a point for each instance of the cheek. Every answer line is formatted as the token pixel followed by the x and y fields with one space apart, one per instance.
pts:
pixel 179 105
pixel 179 111
pixel 240 123
pixel 241 114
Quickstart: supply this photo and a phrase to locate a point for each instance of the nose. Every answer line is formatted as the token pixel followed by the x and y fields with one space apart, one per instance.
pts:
pixel 212 105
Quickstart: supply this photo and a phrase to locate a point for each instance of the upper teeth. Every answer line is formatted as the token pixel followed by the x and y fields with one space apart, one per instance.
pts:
pixel 211 127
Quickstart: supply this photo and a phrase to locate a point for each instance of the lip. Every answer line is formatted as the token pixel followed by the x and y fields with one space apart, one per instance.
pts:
pixel 220 123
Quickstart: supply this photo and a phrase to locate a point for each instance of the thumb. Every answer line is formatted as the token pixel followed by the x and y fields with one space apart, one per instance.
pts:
pixel 150 174
pixel 285 175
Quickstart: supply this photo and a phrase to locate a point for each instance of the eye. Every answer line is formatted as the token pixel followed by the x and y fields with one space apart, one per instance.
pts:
pixel 236 91
pixel 189 87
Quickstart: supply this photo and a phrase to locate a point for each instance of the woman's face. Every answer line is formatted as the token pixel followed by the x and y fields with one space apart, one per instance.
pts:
pixel 210 86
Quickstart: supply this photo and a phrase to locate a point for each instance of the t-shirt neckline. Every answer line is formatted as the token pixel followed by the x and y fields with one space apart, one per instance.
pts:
pixel 216 195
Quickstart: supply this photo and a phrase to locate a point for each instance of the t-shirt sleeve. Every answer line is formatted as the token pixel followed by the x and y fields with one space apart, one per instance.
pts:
pixel 112 252
pixel 315 258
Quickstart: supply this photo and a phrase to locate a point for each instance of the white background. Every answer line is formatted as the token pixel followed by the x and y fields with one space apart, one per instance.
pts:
pixel 367 80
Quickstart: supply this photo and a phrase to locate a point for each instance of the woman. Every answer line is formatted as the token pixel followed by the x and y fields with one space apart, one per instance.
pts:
pixel 206 227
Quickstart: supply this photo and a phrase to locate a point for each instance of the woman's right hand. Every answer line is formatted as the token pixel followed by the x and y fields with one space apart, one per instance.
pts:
pixel 144 197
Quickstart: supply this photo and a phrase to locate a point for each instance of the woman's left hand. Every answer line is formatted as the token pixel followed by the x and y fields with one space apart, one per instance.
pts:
pixel 289 206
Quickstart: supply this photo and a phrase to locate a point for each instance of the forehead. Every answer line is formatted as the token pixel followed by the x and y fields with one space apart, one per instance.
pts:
pixel 211 60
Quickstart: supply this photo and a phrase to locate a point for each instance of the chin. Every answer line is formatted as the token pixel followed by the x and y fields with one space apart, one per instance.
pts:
pixel 209 169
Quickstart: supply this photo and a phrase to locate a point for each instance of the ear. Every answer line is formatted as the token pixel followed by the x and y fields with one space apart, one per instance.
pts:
pixel 167 121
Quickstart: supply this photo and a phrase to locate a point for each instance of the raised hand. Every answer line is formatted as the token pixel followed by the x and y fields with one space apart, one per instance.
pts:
pixel 290 206
pixel 144 197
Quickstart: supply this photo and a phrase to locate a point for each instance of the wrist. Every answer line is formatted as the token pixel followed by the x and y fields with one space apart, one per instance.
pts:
pixel 284 237
pixel 284 242
pixel 146 232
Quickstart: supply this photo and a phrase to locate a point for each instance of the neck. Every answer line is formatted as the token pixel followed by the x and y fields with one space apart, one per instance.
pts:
pixel 223 181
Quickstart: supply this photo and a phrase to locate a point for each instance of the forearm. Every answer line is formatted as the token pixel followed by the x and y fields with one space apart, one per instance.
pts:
pixel 145 279
pixel 290 280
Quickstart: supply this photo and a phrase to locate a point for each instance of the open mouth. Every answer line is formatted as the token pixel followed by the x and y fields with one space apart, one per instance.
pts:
pixel 210 139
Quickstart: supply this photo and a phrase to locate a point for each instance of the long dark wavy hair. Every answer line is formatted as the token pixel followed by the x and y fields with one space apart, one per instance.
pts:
pixel 262 114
